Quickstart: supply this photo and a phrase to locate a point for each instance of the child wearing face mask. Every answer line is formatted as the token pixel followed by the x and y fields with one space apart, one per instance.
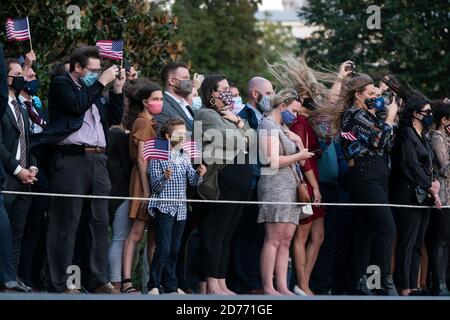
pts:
pixel 146 101
pixel 168 180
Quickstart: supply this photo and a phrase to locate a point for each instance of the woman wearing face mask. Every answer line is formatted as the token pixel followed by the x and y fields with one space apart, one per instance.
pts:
pixel 415 185
pixel 226 139
pixel 364 138
pixel 280 149
pixel 440 221
pixel 312 228
pixel 144 105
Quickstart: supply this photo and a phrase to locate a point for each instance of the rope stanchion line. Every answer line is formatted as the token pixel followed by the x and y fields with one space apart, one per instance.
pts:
pixel 68 195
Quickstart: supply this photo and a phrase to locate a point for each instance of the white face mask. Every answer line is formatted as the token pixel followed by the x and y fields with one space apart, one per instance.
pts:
pixel 196 103
pixel 238 105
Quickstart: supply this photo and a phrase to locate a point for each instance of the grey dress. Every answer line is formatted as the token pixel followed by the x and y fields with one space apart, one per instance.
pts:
pixel 281 186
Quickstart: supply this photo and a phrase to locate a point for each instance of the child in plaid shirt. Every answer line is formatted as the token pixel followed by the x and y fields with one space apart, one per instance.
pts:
pixel 168 180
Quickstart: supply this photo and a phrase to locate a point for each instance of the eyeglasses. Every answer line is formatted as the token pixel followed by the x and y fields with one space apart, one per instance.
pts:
pixel 426 112
pixel 94 70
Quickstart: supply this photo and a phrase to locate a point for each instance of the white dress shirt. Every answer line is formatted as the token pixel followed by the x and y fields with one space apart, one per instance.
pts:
pixel 183 104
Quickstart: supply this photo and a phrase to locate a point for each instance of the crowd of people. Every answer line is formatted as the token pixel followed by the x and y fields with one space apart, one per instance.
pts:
pixel 322 137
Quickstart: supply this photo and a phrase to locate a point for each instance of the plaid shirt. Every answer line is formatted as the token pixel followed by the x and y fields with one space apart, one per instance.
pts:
pixel 175 187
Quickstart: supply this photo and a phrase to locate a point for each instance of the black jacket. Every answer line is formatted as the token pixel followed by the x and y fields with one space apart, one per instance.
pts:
pixel 413 157
pixel 3 97
pixel 9 139
pixel 67 105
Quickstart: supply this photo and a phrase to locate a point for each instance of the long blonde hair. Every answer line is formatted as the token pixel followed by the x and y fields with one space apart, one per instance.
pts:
pixel 293 72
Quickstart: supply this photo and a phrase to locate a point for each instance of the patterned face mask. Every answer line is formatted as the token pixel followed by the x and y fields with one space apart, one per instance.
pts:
pixel 226 97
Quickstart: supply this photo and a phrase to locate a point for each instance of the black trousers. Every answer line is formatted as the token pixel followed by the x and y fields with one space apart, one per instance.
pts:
pixel 7 272
pixel 439 236
pixel 244 272
pixel 217 222
pixel 17 207
pixel 86 175
pixel 321 276
pixel 412 225
pixel 368 183
pixel 33 242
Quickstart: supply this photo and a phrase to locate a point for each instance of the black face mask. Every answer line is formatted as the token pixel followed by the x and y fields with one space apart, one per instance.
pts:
pixel 18 84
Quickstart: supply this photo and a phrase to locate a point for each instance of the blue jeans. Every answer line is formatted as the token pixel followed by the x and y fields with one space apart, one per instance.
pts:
pixel 7 272
pixel 168 233
pixel 121 227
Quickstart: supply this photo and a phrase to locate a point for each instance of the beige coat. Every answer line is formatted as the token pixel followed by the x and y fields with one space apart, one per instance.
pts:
pixel 440 142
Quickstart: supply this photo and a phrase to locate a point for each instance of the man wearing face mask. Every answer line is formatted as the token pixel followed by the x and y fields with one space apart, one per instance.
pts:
pixel 245 275
pixel 178 84
pixel 33 243
pixel 258 103
pixel 28 96
pixel 79 118
pixel 8 278
pixel 15 156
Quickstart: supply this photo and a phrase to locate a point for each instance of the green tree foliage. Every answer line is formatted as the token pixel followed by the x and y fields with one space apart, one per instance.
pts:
pixel 221 36
pixel 413 41
pixel 147 30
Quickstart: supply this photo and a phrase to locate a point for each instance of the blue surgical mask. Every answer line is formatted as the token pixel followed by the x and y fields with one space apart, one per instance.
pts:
pixel 37 102
pixel 288 117
pixel 238 105
pixel 264 104
pixel 196 103
pixel 89 78
pixel 375 103
pixel 31 87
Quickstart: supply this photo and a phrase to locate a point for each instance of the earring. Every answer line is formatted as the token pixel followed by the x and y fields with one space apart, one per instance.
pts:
pixel 212 101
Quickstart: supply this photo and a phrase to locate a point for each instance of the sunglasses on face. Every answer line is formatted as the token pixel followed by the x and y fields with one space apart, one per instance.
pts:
pixel 297 98
pixel 426 112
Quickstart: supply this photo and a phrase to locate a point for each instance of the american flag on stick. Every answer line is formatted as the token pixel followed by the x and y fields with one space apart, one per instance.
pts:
pixel 111 49
pixel 190 147
pixel 18 29
pixel 157 148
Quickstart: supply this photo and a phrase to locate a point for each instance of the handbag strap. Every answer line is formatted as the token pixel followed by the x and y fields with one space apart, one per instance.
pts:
pixel 297 178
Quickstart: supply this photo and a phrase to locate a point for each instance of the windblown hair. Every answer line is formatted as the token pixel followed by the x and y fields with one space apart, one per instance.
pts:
pixel 292 72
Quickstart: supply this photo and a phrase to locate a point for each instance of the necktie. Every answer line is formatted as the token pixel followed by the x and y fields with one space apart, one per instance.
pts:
pixel 23 142
pixel 190 110
pixel 34 116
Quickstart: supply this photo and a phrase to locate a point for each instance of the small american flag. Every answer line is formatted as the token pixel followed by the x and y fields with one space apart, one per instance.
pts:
pixel 190 147
pixel 17 29
pixel 157 149
pixel 111 49
pixel 349 136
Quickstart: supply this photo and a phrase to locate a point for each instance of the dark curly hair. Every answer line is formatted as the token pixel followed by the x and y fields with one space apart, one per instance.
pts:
pixel 169 125
pixel 209 85
pixel 441 109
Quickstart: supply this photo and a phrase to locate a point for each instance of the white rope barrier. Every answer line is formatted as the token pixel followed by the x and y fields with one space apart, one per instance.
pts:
pixel 65 195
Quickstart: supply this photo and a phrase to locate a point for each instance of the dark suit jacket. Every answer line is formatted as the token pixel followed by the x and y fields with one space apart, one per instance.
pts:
pixel 3 97
pixel 67 105
pixel 171 110
pixel 249 115
pixel 9 139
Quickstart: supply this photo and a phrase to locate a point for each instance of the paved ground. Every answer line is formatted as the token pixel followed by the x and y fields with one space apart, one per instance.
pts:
pixel 199 297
